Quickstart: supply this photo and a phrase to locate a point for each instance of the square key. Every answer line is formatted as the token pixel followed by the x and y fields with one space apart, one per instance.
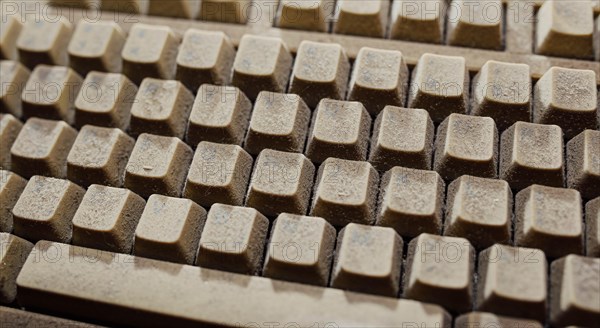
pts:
pixel 46 208
pixel 10 28
pixel 550 219
pixel 169 229
pixel 592 225
pixel 466 145
pixel 345 192
pixel 320 71
pixel 418 20
pixel 364 18
pixel 300 249
pixel 105 99
pixel 226 11
pixel 11 187
pixel 158 165
pixel 219 114
pixel 13 254
pixel 174 8
pixel 402 137
pixel 574 108
pixel 485 319
pixel 233 239
pixel 42 148
pixel 12 83
pixel 219 174
pixel 440 271
pixel 50 93
pixel 532 154
pixel 99 155
pixel 340 129
pixel 96 46
pixel 44 41
pixel 411 201
pixel 279 122
pixel 161 107
pixel 379 78
pixel 368 260
pixel 204 57
pixel 583 163
pixel 479 210
pixel 106 219
pixel 476 24
pixel 305 15
pixel 9 130
pixel 281 182
pixel 513 282
pixel 261 64
pixel 440 85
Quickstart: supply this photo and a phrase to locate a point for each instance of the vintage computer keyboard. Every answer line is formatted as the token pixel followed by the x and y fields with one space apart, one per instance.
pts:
pixel 300 163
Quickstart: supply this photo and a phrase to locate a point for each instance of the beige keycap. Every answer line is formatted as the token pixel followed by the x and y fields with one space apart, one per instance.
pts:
pixel 565 29
pixel 9 130
pixel 513 282
pixel 484 319
pixel 411 201
pixel 50 93
pixel 11 187
pixel 550 219
pixel 440 271
pixel 12 83
pixel 96 46
pixel 233 239
pixel 44 41
pixel 573 108
pixel 99 155
pixel 219 174
pixel 281 182
pixel 169 229
pixel 10 28
pixel 365 18
pixel 583 163
pixel 105 99
pixel 161 107
pixel 345 192
pixel 178 8
pixel 219 114
pixel 476 24
pixel 502 91
pixel 42 148
pixel 379 78
pixel 127 6
pixel 106 219
pixel 340 129
pixel 466 144
pixel 305 15
pixel 418 20
pixel 440 84
pixel 279 121
pixel 320 71
pixel 45 209
pixel 150 51
pixel 226 11
pixel 300 249
pixel 368 260
pixel 532 154
pixel 22 318
pixel 402 137
pixel 13 253
pixel 592 219
pixel 575 291
pixel 158 165
pixel 261 64
pixel 204 57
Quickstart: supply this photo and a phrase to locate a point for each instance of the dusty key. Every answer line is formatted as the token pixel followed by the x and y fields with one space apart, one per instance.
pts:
pixel 366 18
pixel 583 163
pixel 513 282
pixel 12 83
pixel 150 51
pixel 368 260
pixel 226 11
pixel 379 78
pixel 419 21
pixel 484 319
pixel 261 64
pixel 300 249
pixel 233 239
pixel 476 24
pixel 13 253
pixel 411 201
pixel 204 57
pixel 42 148
pixel 161 107
pixel 21 318
pixel 281 182
pixel 45 209
pixel 305 15
pixel 345 192
pixel 219 114
pixel 10 28
pixel 9 130
pixel 99 155
pixel 11 187
pixel 592 219
pixel 44 41
pixel 320 71
pixel 127 6
pixel 550 219
pixel 158 165
pixel 96 46
pixel 440 84
pixel 106 219
pixel 177 8
pixel 575 291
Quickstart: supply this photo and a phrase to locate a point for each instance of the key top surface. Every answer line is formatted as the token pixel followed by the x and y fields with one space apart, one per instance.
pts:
pixel 96 46
pixel 476 24
pixel 9 130
pixel 305 15
pixel 174 8
pixel 226 11
pixel 11 187
pixel 45 41
pixel 592 219
pixel 419 21
pixel 21 318
pixel 12 83
pixel 10 28
pixel 13 253
pixel 583 163
pixel 484 319
pixel 365 18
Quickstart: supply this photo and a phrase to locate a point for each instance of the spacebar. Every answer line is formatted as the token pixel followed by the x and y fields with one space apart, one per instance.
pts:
pixel 126 290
